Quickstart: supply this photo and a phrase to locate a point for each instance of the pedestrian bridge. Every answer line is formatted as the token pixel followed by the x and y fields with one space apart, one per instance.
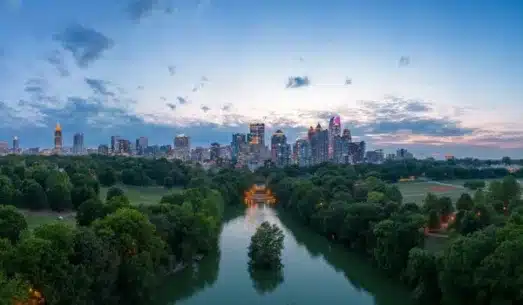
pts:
pixel 259 193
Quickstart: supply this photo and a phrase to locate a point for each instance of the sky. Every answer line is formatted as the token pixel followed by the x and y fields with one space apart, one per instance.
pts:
pixel 434 76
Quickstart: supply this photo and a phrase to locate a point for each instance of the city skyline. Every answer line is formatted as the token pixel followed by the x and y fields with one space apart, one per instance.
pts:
pixel 426 77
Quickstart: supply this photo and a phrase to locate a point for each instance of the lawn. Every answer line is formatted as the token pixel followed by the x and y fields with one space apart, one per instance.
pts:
pixel 416 191
pixel 137 195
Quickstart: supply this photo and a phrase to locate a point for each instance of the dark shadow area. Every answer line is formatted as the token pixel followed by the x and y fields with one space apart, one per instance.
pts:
pixel 357 269
pixel 266 281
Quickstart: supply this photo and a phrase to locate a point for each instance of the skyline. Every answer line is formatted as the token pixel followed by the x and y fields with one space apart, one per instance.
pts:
pixel 426 77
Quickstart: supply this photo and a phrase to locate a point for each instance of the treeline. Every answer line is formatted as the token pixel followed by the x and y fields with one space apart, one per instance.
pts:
pixel 119 252
pixel 367 215
pixel 63 183
pixel 393 171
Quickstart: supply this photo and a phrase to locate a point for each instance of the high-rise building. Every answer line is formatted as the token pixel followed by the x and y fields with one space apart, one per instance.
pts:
pixel 238 140
pixel 182 147
pixel 114 144
pixel 123 146
pixel 103 149
pixel 320 145
pixel 347 134
pixel 334 131
pixel 302 152
pixel 257 133
pixel 58 141
pixel 141 144
pixel 78 143
pixel 16 145
pixel 280 150
pixel 215 151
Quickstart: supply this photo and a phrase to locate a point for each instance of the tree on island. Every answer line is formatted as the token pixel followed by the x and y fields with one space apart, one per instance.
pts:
pixel 266 247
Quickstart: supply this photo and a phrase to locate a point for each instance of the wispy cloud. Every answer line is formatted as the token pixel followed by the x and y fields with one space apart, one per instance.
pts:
pixel 205 108
pixel 297 82
pixel 171 106
pixel 56 59
pixel 172 70
pixel 227 107
pixel 85 44
pixel 182 100
pixel 99 86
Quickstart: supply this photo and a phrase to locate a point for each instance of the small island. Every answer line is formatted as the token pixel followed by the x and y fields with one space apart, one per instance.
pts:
pixel 266 247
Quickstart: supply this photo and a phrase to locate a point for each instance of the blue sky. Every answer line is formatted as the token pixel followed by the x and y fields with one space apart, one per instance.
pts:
pixel 436 77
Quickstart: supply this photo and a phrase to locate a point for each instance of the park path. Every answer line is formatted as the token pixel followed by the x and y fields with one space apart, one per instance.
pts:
pixel 448 184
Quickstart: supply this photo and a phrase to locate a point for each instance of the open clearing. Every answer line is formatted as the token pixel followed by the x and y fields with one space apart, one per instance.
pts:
pixel 137 195
pixel 417 191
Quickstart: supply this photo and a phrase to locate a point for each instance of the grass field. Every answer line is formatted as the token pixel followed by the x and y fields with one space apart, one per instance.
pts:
pixel 137 195
pixel 416 191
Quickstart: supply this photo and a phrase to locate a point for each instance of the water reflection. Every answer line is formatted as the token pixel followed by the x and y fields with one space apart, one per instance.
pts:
pixel 265 281
pixel 315 271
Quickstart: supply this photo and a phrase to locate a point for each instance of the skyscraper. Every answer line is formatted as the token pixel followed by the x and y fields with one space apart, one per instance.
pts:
pixel 334 131
pixel 182 147
pixel 58 137
pixel 320 145
pixel 280 150
pixel 257 133
pixel 238 140
pixel 114 143
pixel 16 145
pixel 78 143
pixel 141 145
pixel 215 151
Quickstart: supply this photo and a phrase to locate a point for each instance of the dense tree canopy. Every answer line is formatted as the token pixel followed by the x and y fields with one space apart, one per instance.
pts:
pixel 119 251
pixel 355 207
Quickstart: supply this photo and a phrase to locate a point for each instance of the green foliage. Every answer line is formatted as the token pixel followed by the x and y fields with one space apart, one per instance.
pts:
pixel 266 247
pixel 475 184
pixel 367 215
pixel 113 192
pixel 12 223
pixel 118 253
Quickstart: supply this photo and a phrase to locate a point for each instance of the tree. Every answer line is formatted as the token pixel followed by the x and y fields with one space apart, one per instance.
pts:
pixel 421 275
pixel 465 202
pixel 12 223
pixel 80 194
pixel 113 192
pixel 6 190
pixel 107 177
pixel 12 290
pixel 266 247
pixel 59 197
pixel 91 210
pixel 33 195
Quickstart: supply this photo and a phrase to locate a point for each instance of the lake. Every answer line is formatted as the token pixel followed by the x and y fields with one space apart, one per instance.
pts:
pixel 314 272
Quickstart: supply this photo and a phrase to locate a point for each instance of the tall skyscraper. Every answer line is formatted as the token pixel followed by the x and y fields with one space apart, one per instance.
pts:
pixel 182 147
pixel 16 145
pixel 215 151
pixel 334 131
pixel 257 133
pixel 238 140
pixel 302 152
pixel 320 145
pixel 114 144
pixel 58 141
pixel 141 144
pixel 280 150
pixel 78 143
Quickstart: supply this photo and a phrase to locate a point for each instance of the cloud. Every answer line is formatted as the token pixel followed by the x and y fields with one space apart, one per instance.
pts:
pixel 182 100
pixel 297 82
pixel 227 107
pixel 171 105
pixel 138 9
pixel 172 70
pixel 99 86
pixel 404 61
pixel 85 44
pixel 431 127
pixel 205 108
pixel 56 59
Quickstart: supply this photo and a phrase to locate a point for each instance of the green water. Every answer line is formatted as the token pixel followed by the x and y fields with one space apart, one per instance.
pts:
pixel 315 272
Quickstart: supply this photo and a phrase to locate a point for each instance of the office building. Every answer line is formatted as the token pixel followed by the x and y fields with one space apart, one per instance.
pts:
pixel 16 145
pixel 257 133
pixel 78 143
pixel 58 141
pixel 141 144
